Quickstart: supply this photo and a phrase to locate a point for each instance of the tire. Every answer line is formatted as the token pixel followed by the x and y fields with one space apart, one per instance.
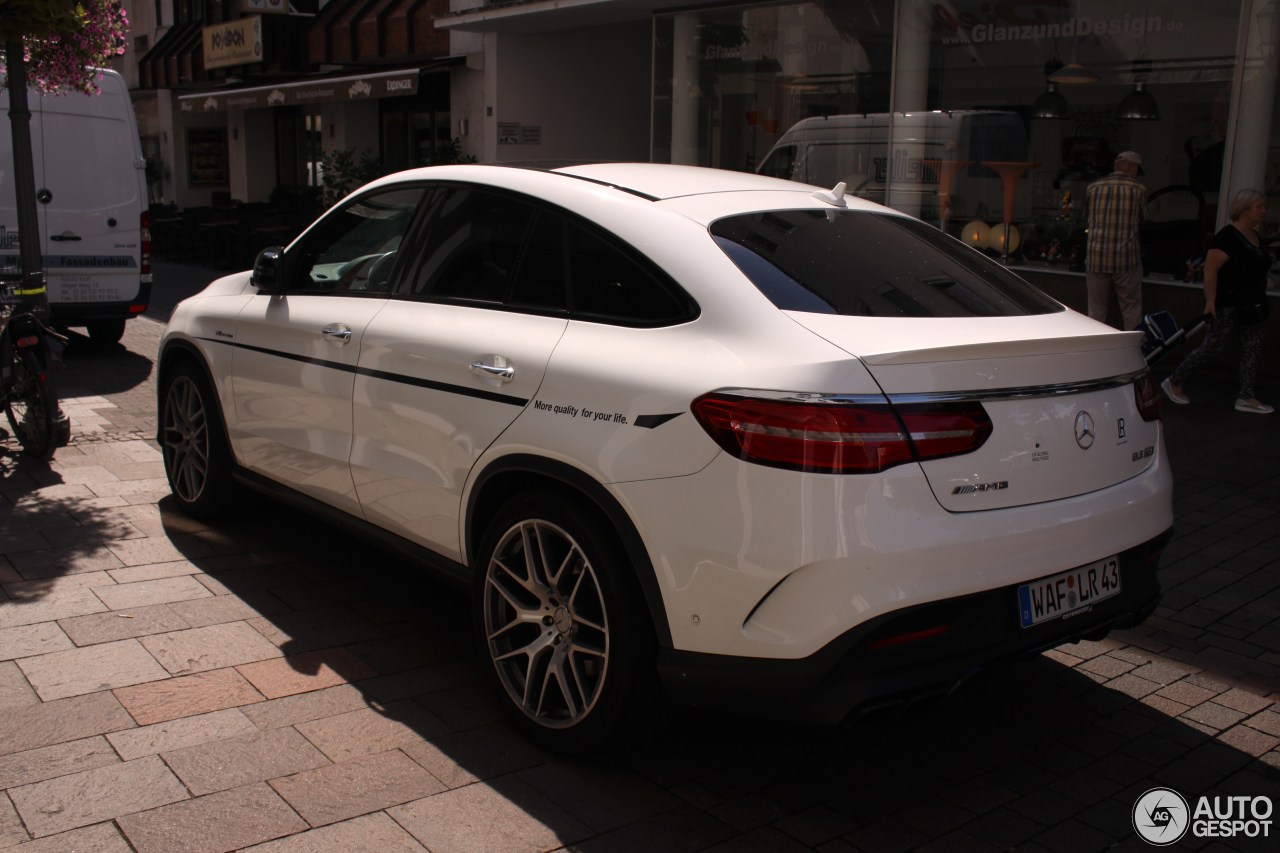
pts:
pixel 197 458
pixel 105 332
pixel 564 633
pixel 32 407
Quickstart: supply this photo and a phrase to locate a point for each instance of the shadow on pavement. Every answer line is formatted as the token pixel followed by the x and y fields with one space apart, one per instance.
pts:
pixel 380 672
pixel 1035 755
pixel 115 368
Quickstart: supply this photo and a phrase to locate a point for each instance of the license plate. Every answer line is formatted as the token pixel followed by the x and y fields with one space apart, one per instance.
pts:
pixel 1068 593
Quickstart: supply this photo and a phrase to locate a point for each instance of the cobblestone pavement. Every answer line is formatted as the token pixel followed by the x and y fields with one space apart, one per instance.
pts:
pixel 270 684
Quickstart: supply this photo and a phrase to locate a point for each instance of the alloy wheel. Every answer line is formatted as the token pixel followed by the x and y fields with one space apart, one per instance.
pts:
pixel 545 623
pixel 186 439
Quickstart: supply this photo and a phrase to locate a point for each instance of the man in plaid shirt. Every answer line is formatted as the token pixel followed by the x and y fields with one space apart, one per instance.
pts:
pixel 1117 205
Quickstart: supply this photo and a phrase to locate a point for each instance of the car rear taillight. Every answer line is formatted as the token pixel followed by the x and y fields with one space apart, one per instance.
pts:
pixel 1146 393
pixel 145 231
pixel 838 437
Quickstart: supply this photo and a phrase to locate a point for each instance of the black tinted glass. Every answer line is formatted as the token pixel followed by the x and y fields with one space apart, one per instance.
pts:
pixel 472 246
pixel 354 249
pixel 611 285
pixel 540 281
pixel 874 265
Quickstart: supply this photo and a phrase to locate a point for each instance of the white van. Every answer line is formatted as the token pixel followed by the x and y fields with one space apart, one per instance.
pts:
pixel 91 200
pixel 855 149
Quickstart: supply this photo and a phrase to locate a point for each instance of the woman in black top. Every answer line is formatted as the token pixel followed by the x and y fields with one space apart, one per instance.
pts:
pixel 1235 298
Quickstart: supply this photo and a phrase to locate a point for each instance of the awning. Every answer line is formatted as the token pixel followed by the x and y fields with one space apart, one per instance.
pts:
pixel 318 89
pixel 363 31
pixel 175 60
pixel 532 16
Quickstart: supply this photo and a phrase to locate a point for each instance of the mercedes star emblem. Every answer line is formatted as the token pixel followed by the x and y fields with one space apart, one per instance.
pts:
pixel 1084 430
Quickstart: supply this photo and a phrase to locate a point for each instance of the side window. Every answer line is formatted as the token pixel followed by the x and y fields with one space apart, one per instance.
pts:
pixel 473 246
pixel 610 284
pixel 501 250
pixel 540 281
pixel 781 163
pixel 352 250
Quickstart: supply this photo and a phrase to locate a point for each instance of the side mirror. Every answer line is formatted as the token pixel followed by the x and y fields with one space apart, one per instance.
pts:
pixel 267 269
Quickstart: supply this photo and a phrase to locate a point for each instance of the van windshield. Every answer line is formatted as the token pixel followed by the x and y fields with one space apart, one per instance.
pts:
pixel 871 265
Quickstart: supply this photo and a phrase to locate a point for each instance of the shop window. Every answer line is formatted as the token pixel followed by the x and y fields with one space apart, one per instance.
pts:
pixel 299 148
pixel 973 113
pixel 207 157
pixel 412 137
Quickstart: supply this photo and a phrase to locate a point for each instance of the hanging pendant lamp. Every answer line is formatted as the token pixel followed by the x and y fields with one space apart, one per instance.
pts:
pixel 1138 105
pixel 1073 73
pixel 1051 104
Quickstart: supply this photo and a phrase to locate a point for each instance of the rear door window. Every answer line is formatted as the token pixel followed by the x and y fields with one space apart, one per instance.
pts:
pixel 611 284
pixel 502 250
pixel 871 265
pixel 473 245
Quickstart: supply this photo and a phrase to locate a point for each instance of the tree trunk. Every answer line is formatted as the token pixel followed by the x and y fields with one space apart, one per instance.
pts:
pixel 24 182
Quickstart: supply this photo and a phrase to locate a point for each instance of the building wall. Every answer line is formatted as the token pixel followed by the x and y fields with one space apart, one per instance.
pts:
pixel 143 33
pixel 568 95
pixel 467 92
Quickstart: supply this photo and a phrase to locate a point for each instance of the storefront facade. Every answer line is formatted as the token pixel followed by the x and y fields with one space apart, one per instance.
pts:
pixel 265 140
pixel 242 99
pixel 972 114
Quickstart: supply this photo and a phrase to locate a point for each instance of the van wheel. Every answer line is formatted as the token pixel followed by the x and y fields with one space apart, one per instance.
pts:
pixel 197 459
pixel 563 629
pixel 105 331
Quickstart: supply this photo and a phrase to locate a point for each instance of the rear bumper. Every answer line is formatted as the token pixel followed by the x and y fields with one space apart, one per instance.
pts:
pixel 858 671
pixel 77 313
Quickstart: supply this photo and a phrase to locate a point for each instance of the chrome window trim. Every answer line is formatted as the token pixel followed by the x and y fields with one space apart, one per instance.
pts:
pixel 1061 389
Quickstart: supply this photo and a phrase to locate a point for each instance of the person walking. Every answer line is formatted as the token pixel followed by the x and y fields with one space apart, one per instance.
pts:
pixel 1116 206
pixel 1235 299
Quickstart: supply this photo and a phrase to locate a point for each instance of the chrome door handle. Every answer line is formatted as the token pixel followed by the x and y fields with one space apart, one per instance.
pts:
pixel 337 332
pixel 500 370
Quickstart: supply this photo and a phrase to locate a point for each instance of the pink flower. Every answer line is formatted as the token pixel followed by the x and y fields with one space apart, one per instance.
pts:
pixel 83 40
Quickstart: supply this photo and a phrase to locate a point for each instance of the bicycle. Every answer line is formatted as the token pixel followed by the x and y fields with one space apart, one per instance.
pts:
pixel 29 353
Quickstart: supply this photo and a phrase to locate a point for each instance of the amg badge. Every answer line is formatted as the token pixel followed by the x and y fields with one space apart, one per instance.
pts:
pixel 980 487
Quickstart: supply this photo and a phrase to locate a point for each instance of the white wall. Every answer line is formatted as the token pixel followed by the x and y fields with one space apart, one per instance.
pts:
pixel 586 90
pixel 466 88
pixel 466 105
pixel 351 124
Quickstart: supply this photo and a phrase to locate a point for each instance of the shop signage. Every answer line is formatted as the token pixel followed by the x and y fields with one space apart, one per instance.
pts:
pixel 265 7
pixel 364 88
pixel 236 42
pixel 515 133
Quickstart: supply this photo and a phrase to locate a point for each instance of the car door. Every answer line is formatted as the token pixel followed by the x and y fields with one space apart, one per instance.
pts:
pixel 456 357
pixel 297 347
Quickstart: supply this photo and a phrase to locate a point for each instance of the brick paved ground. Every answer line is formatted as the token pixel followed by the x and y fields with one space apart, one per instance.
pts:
pixel 270 684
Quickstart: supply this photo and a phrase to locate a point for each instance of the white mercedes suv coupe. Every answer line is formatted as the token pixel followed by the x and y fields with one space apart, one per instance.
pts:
pixel 761 443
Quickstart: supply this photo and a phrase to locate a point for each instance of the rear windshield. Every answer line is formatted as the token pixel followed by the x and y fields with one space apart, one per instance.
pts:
pixel 871 265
